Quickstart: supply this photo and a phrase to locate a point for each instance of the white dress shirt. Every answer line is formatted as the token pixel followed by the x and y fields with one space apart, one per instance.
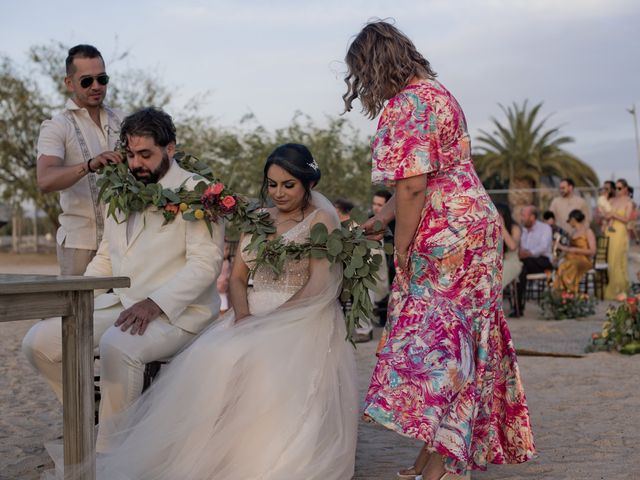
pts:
pixel 537 240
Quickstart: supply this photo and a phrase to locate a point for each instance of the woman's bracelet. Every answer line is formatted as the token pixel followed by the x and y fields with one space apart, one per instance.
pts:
pixel 401 256
pixel 89 169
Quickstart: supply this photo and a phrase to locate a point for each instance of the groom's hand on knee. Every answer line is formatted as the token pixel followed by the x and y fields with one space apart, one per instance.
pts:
pixel 138 316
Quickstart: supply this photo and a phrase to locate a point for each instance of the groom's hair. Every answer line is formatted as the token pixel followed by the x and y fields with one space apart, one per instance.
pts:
pixel 149 122
pixel 298 161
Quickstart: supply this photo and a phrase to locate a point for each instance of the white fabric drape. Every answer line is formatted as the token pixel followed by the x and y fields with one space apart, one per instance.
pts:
pixel 272 397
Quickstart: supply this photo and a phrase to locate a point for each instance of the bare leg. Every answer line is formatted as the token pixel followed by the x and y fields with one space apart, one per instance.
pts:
pixel 434 470
pixel 418 464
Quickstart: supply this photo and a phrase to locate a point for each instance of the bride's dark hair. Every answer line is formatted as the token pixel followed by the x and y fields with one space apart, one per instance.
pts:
pixel 298 161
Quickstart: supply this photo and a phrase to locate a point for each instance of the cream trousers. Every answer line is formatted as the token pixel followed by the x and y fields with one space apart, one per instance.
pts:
pixel 122 356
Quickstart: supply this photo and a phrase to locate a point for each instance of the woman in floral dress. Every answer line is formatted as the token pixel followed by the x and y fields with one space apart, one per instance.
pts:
pixel 447 371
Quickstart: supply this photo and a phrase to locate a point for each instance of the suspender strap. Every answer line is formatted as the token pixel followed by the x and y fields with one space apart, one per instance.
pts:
pixel 98 208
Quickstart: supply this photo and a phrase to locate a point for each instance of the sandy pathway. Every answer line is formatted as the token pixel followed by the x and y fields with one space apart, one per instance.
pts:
pixel 585 412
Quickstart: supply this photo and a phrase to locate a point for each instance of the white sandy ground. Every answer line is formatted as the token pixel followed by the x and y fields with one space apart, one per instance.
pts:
pixel 585 411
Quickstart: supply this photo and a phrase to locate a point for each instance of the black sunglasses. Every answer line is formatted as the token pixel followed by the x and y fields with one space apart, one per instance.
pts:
pixel 86 82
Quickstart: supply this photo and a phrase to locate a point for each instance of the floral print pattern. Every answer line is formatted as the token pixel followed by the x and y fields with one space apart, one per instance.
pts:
pixel 447 373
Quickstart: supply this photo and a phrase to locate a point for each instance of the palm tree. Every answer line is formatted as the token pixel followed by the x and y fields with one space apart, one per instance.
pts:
pixel 523 153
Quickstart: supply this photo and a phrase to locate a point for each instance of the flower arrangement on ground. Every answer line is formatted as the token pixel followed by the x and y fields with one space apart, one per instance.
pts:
pixel 562 305
pixel 212 201
pixel 621 329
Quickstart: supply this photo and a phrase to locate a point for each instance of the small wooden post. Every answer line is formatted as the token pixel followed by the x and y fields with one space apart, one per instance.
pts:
pixel 78 407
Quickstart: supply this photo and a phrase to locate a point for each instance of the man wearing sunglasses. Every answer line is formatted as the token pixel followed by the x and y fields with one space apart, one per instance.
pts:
pixel 72 147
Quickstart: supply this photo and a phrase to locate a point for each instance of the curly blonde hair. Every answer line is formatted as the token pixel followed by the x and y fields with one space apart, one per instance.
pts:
pixel 381 62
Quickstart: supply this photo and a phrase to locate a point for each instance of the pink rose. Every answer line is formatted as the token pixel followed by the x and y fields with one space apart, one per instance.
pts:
pixel 215 189
pixel 229 202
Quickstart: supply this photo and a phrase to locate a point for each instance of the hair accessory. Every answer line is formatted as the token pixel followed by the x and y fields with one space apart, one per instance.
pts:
pixel 314 165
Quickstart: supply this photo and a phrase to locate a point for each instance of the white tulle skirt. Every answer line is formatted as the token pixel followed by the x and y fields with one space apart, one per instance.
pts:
pixel 272 397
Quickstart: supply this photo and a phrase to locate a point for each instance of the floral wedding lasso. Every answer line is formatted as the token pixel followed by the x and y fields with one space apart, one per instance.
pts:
pixel 211 201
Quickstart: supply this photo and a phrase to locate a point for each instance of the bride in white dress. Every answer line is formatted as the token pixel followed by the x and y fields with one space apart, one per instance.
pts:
pixel 267 392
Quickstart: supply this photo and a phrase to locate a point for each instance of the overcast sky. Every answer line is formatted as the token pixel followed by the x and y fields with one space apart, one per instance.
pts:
pixel 273 58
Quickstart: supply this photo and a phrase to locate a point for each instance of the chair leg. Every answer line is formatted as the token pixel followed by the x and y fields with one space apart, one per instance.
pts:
pixel 540 288
pixel 151 369
pixel 598 284
pixel 515 299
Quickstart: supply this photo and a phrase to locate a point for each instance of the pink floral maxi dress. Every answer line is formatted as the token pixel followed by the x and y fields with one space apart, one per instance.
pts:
pixel 447 373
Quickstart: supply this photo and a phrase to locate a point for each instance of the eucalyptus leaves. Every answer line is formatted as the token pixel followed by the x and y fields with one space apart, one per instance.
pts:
pixel 345 246
pixel 210 201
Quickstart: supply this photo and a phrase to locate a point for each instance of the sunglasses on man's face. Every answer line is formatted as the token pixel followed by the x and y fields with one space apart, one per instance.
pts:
pixel 86 82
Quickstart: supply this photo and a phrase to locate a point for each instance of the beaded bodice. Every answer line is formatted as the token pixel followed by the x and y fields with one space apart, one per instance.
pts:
pixel 295 272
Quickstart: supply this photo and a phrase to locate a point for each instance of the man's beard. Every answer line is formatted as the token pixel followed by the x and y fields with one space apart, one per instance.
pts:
pixel 156 175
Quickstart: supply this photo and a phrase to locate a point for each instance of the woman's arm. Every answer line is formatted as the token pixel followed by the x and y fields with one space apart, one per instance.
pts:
pixel 409 203
pixel 624 218
pixel 590 251
pixel 593 244
pixel 238 281
pixel 512 239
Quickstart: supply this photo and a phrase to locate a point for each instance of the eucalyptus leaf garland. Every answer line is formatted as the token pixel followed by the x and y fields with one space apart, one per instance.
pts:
pixel 210 201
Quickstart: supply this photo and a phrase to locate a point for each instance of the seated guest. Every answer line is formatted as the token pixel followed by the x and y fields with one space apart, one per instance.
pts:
pixel 578 255
pixel 511 233
pixel 535 249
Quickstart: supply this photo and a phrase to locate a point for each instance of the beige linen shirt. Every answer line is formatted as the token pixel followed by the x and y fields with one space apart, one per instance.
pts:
pixel 58 138
pixel 561 208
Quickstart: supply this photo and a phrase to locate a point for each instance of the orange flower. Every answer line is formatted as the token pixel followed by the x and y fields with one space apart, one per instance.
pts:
pixel 172 208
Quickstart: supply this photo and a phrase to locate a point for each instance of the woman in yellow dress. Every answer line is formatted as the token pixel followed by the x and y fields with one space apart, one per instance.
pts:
pixel 621 208
pixel 578 257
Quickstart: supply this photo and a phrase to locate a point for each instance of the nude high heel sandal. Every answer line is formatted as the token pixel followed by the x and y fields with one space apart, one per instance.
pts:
pixel 450 476
pixel 407 474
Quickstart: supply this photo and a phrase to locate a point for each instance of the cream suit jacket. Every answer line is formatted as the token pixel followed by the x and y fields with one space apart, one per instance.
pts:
pixel 175 265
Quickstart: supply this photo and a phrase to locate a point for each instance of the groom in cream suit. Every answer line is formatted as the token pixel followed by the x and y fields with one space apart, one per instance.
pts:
pixel 173 270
